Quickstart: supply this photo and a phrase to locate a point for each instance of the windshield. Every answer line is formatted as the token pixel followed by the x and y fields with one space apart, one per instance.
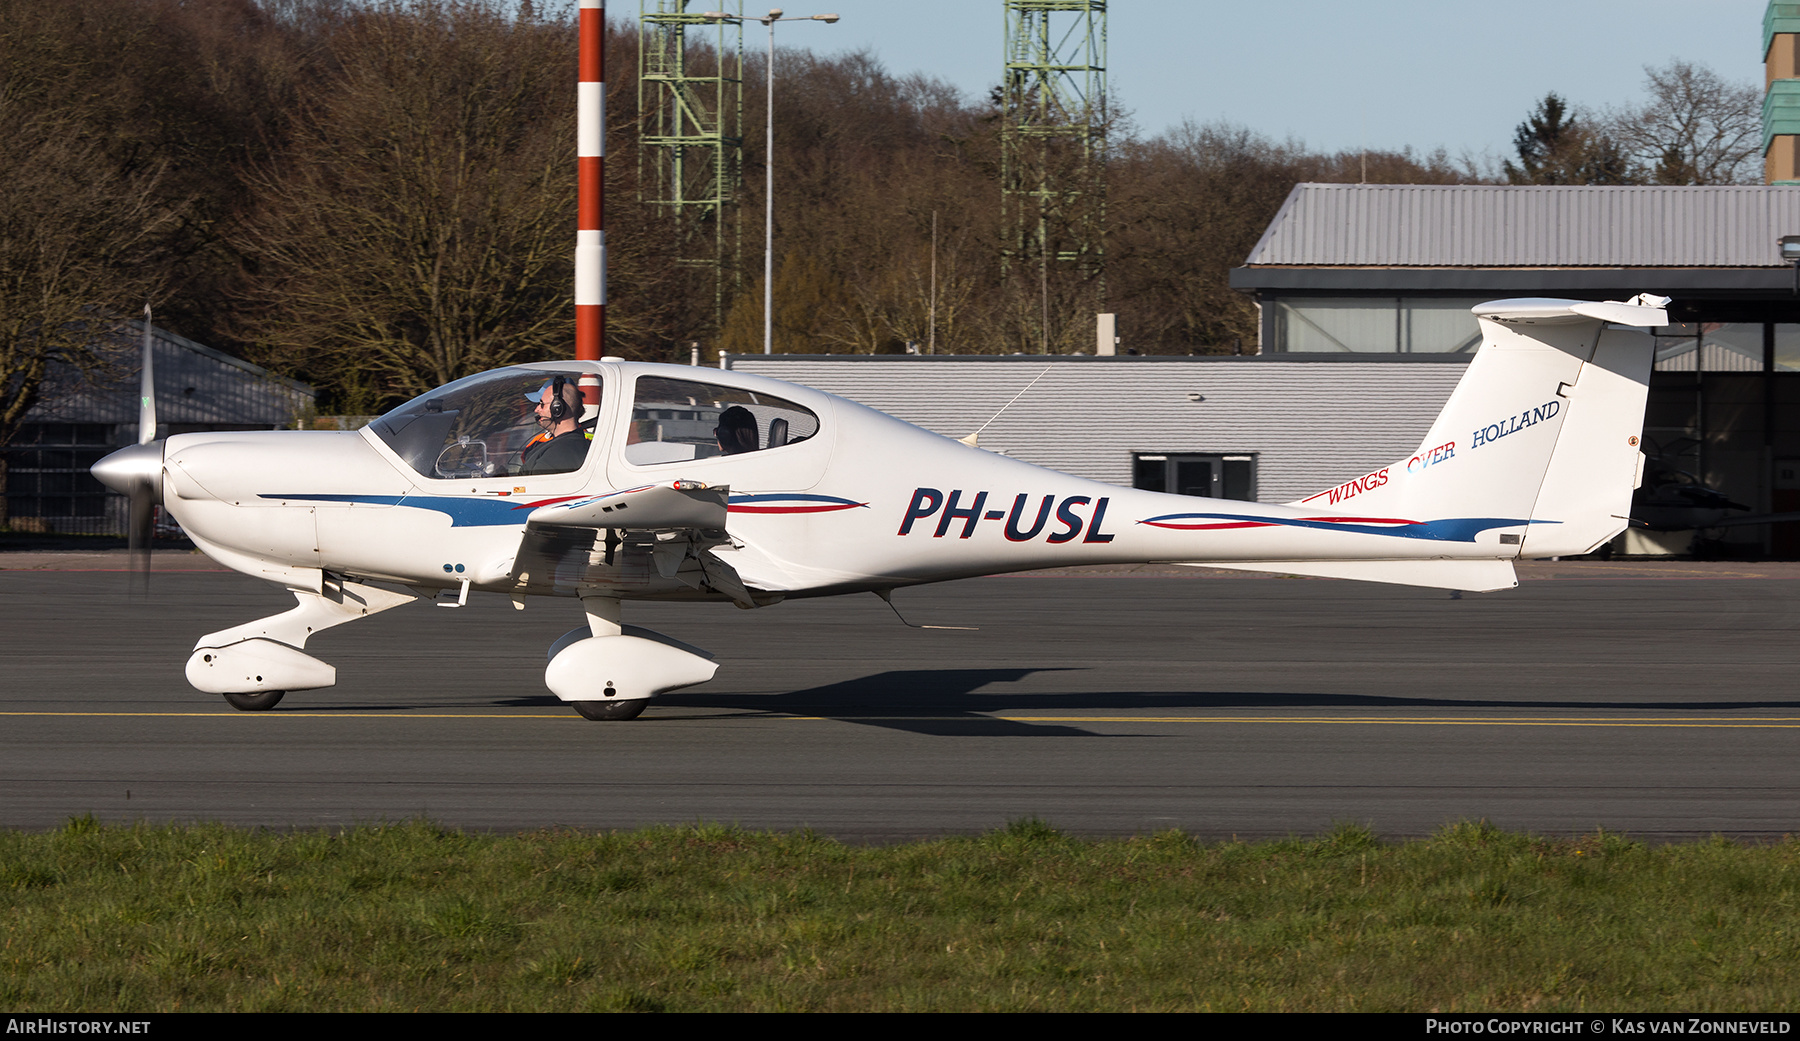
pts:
pixel 485 425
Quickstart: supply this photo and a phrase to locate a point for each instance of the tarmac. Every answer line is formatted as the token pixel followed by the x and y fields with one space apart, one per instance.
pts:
pixel 1653 698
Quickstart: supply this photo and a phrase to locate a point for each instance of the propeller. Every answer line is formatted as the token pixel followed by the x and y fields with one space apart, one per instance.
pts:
pixel 136 472
pixel 147 389
pixel 143 504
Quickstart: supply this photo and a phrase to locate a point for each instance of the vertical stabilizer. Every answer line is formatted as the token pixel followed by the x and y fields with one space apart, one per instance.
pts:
pixel 1542 432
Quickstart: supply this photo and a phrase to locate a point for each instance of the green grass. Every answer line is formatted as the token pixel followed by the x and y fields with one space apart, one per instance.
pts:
pixel 416 916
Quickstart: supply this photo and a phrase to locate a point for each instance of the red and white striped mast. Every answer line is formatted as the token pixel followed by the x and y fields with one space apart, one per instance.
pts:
pixel 590 151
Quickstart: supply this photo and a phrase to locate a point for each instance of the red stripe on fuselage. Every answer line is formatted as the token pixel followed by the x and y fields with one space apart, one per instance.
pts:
pixel 546 502
pixel 797 509
pixel 1210 527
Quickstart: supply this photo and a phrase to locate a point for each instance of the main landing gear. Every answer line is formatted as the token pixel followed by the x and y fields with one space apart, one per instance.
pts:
pixel 263 702
pixel 599 710
pixel 611 671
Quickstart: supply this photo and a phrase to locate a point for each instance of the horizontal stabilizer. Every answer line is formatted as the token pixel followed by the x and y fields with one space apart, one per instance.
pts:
pixel 654 507
pixel 1643 310
pixel 1475 576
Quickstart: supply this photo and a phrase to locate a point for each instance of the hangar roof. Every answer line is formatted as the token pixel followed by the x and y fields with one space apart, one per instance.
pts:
pixel 1489 226
pixel 195 386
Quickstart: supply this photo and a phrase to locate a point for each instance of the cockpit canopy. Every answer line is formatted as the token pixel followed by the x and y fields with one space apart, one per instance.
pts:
pixel 481 426
pixel 489 424
pixel 674 420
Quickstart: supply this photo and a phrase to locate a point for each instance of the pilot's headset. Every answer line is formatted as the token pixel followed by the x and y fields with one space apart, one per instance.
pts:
pixel 559 405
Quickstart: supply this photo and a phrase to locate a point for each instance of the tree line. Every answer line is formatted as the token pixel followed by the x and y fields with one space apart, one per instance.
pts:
pixel 378 196
pixel 1693 128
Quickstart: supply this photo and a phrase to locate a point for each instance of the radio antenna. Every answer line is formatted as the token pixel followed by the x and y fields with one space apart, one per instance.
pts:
pixel 972 439
pixel 887 597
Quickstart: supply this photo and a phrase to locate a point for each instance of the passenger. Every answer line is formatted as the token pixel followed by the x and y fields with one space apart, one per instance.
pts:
pixel 563 445
pixel 736 431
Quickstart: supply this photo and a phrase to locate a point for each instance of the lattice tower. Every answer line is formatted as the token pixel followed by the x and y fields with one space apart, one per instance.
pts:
pixel 691 148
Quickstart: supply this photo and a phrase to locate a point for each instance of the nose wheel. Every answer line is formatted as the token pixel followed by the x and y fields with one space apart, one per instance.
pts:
pixel 261 701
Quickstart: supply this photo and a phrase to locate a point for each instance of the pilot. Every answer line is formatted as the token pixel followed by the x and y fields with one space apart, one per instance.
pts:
pixel 563 444
pixel 736 431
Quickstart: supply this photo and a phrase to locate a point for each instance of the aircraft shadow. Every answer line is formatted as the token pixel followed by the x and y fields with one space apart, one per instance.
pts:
pixel 956 703
pixel 961 703
pixel 931 702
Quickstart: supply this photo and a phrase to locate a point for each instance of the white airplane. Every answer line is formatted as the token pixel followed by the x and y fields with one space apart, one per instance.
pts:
pixel 678 483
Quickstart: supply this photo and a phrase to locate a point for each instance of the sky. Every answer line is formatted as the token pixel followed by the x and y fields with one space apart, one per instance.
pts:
pixel 1336 75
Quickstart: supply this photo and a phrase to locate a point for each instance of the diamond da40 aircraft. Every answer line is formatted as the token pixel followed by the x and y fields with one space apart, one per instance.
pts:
pixel 612 481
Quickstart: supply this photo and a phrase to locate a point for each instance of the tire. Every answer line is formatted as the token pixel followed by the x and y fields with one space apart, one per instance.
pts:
pixel 263 702
pixel 630 708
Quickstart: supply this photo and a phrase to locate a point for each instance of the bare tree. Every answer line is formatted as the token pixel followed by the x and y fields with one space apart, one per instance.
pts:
pixel 1695 129
pixel 418 228
pixel 863 159
pixel 180 91
pixel 815 313
pixel 77 242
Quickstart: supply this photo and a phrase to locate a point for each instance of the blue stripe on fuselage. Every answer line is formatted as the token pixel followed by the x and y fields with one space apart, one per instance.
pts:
pixel 1452 529
pixel 464 512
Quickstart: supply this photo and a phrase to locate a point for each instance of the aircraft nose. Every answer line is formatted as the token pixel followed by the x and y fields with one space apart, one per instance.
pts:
pixel 132 470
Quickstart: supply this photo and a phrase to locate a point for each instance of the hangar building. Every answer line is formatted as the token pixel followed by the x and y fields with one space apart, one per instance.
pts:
pixel 79 420
pixel 1394 268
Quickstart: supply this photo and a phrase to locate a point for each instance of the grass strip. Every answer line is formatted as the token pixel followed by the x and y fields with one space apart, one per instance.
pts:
pixel 416 916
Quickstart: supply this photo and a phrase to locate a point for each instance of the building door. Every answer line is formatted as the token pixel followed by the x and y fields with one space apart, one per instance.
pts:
pixel 1209 476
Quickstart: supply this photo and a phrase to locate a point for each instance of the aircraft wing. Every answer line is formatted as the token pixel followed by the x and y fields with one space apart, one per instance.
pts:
pixel 652 507
pixel 628 539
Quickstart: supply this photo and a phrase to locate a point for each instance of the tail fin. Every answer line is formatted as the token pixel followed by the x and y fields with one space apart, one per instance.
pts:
pixel 1542 430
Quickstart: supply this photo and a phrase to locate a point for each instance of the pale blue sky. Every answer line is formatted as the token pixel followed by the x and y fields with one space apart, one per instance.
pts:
pixel 1342 74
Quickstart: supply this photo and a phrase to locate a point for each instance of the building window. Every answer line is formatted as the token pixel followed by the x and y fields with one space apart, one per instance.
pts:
pixel 1787 347
pixel 47 471
pixel 1376 325
pixel 1210 476
pixel 1713 347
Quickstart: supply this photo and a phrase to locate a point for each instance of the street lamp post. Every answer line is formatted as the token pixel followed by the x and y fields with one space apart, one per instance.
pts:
pixel 774 15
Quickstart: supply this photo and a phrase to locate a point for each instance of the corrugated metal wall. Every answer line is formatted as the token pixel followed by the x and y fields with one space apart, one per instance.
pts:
pixel 1527 226
pixel 1312 423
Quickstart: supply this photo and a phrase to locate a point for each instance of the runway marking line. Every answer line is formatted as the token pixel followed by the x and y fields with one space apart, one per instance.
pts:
pixel 315 714
pixel 1747 722
pixel 1741 723
pixel 1751 722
